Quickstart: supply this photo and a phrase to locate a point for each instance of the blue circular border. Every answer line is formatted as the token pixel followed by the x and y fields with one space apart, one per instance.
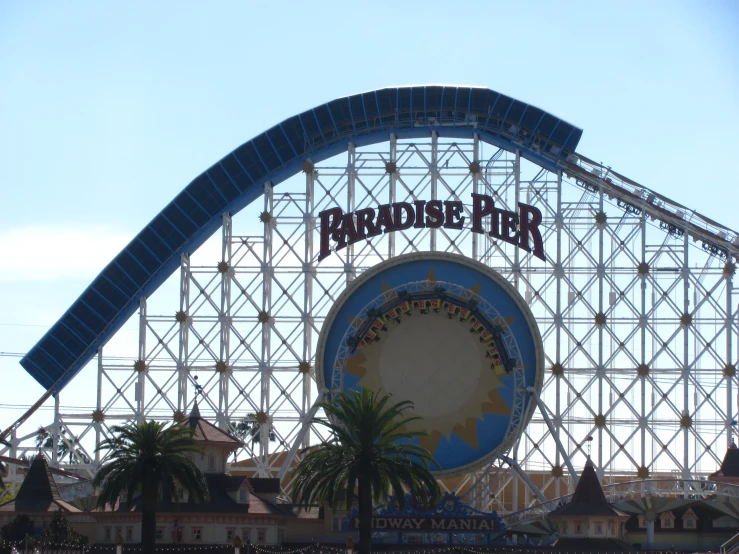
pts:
pixel 493 430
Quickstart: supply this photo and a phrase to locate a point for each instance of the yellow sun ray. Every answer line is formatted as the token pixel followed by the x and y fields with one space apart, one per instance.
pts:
pixel 505 321
pixel 468 432
pixel 431 442
pixel 354 365
pixel 497 404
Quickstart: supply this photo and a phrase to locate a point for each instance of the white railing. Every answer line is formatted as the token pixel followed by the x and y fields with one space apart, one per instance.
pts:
pixel 731 546
pixel 633 490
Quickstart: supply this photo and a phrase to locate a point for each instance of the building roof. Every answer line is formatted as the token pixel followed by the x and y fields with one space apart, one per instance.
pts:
pixel 705 512
pixel 275 155
pixel 730 465
pixel 206 432
pixel 588 499
pixel 265 485
pixel 38 492
pixel 220 501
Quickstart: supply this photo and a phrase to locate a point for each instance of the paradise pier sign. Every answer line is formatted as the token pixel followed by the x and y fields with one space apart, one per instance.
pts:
pixel 518 228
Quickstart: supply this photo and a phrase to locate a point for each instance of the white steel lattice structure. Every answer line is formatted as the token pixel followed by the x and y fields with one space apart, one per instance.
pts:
pixel 639 321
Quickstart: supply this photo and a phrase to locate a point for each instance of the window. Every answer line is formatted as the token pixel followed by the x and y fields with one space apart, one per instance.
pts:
pixel 159 535
pixel 342 523
pixel 230 534
pixel 261 535
pixel 612 529
pixel 197 534
pixel 246 534
pixel 280 536
pixel 642 522
pixel 335 523
pixel 667 520
pixel 108 534
pixel 690 520
pixel 129 534
pixel 243 494
pixel 598 528
pixel 211 462
pixel 578 528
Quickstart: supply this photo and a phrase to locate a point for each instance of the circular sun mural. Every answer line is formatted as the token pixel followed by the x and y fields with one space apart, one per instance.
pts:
pixel 448 334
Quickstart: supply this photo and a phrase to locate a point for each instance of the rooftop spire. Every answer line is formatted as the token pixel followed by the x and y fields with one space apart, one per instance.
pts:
pixel 588 498
pixel 38 490
pixel 195 410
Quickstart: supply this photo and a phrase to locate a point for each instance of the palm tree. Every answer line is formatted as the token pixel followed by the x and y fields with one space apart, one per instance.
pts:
pixel 369 451
pixel 248 428
pixel 44 439
pixel 145 458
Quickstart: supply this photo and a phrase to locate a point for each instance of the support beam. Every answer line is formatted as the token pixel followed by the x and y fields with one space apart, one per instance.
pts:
pixel 476 190
pixel 224 317
pixel 351 171
pixel 686 360
pixel 299 439
pixel 309 273
pixel 183 367
pixel 558 324
pixel 650 533
pixel 99 406
pixel 552 431
pixel 434 170
pixel 141 377
pixel 392 184
pixel 525 477
pixel 265 365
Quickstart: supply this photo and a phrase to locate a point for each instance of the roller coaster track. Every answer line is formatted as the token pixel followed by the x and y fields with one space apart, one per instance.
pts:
pixel 673 217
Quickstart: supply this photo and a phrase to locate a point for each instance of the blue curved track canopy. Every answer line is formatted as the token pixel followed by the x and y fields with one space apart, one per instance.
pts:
pixel 275 155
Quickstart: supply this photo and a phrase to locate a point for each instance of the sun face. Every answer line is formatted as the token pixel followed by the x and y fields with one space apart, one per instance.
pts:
pixel 435 355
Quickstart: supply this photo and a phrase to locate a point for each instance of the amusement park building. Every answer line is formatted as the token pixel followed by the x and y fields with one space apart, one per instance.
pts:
pixel 238 505
pixel 626 298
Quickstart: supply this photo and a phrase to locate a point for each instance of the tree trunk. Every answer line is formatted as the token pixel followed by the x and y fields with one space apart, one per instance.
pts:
pixel 365 513
pixel 149 499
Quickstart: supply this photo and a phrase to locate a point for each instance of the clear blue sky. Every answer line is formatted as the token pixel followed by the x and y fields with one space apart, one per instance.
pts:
pixel 107 110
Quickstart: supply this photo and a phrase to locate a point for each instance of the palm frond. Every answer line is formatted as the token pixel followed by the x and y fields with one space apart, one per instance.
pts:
pixel 138 452
pixel 368 431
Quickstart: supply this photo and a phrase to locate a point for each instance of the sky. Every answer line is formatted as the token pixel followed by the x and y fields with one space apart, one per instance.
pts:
pixel 107 110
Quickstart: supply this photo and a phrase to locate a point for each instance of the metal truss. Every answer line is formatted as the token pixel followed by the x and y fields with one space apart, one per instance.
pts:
pixel 639 324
